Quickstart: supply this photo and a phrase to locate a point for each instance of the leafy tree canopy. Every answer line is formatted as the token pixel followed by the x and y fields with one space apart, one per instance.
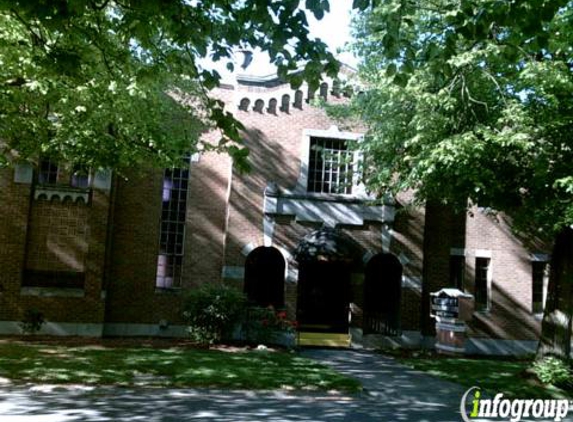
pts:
pixel 114 83
pixel 471 99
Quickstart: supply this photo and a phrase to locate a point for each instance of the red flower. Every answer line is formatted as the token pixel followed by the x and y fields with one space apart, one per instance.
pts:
pixel 282 315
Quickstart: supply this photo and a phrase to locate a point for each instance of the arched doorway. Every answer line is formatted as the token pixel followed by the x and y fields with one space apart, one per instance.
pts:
pixel 382 294
pixel 326 259
pixel 264 277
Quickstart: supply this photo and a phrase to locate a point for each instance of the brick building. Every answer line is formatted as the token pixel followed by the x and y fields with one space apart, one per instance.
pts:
pixel 107 255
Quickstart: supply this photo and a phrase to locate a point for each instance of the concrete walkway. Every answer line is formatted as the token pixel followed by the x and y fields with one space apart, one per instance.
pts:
pixel 393 393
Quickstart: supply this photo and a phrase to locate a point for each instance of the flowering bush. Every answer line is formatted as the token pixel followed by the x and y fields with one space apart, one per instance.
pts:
pixel 212 311
pixel 266 325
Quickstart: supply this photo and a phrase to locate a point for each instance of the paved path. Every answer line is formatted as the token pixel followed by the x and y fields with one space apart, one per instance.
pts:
pixel 393 393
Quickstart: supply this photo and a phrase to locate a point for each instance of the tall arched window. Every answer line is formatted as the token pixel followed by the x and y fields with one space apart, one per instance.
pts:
pixel 285 103
pixel 272 108
pixel 264 277
pixel 259 106
pixel 336 88
pixel 244 104
pixel 323 91
pixel 298 95
pixel 310 94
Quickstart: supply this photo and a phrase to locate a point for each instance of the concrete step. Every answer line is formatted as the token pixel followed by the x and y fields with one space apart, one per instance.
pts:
pixel 323 339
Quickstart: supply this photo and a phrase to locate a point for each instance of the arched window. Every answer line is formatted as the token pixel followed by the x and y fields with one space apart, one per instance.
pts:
pixel 285 102
pixel 272 109
pixel 324 91
pixel 310 94
pixel 336 88
pixel 382 292
pixel 244 104
pixel 298 99
pixel 259 106
pixel 264 277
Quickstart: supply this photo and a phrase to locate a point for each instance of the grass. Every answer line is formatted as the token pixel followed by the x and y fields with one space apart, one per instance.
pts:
pixel 166 367
pixel 509 377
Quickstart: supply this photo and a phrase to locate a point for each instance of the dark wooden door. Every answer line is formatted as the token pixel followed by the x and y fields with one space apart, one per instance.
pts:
pixel 323 296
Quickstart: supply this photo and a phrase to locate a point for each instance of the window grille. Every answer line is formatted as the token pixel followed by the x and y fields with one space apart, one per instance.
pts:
pixel 48 172
pixel 330 166
pixel 172 230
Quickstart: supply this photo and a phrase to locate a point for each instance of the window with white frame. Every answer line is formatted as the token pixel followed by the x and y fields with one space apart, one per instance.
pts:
pixel 330 166
pixel 481 293
pixel 539 281
pixel 172 230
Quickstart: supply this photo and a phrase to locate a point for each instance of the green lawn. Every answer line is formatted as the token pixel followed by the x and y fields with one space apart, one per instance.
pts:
pixel 493 375
pixel 170 367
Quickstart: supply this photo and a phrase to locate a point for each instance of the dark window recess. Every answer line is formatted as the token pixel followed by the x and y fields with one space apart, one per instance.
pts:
pixel 330 166
pixel 60 279
pixel 48 172
pixel 264 277
pixel 172 229
pixel 323 91
pixel 481 284
pixel 382 295
pixel 538 271
pixel 457 269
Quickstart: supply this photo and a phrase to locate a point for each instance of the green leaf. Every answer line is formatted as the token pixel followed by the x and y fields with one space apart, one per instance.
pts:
pixel 391 70
pixel 360 4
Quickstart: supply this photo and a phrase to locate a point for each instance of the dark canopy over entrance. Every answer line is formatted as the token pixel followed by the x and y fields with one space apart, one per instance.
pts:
pixel 328 244
pixel 326 258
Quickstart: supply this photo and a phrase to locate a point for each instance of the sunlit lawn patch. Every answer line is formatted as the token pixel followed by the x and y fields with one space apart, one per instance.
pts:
pixel 171 367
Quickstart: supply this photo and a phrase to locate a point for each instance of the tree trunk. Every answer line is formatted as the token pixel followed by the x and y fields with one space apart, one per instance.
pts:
pixel 556 325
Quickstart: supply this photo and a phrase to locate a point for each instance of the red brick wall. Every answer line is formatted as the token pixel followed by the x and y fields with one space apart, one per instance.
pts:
pixel 132 296
pixel 408 241
pixel 14 208
pixel 222 218
pixel 57 236
pixel 52 236
pixel 510 316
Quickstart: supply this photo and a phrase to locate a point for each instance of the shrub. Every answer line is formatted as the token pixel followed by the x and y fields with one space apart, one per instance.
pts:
pixel 551 370
pixel 32 321
pixel 265 325
pixel 212 312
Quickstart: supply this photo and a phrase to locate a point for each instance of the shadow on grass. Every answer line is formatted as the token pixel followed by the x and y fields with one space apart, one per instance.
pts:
pixel 168 368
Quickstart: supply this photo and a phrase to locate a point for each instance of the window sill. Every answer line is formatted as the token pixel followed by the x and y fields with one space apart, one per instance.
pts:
pixel 52 292
pixel 174 291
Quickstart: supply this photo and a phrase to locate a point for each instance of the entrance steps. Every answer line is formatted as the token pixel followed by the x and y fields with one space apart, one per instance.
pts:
pixel 323 339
